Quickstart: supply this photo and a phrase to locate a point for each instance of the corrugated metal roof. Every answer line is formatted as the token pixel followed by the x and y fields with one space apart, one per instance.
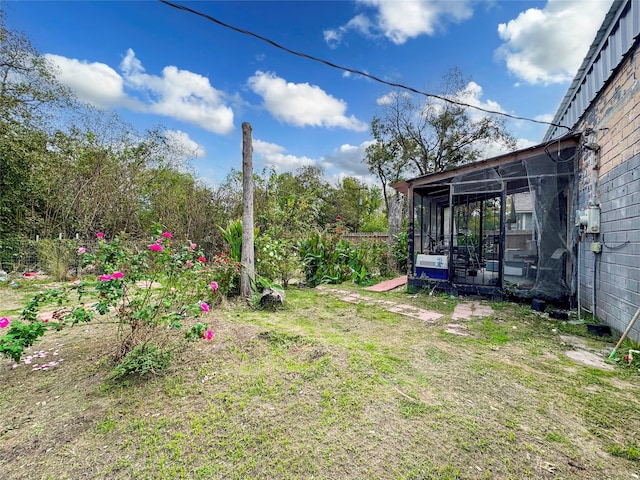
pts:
pixel 614 39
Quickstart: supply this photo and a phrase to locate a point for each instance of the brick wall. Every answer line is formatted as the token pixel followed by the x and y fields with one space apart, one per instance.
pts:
pixel 615 186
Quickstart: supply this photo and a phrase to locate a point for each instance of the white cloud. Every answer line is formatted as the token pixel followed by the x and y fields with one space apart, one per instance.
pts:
pixel 180 149
pixel 178 94
pixel 400 21
pixel 390 98
pixel 302 104
pixel 359 23
pixel 274 155
pixel 547 117
pixel 344 161
pixel 545 46
pixel 472 95
pixel 95 83
pixel 522 143
pixel 183 142
pixel 348 160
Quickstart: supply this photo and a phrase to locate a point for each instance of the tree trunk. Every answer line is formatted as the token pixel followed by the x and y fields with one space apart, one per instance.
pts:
pixel 248 269
pixel 394 215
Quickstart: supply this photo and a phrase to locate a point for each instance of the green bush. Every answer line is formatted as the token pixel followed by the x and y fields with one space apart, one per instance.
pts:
pixel 148 292
pixel 400 251
pixel 327 258
pixel 57 258
pixel 276 258
pixel 143 359
pixel 232 236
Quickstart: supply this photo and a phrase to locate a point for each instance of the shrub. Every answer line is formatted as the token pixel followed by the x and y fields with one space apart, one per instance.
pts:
pixel 143 359
pixel 327 258
pixel 147 291
pixel 400 251
pixel 276 258
pixel 227 273
pixel 57 257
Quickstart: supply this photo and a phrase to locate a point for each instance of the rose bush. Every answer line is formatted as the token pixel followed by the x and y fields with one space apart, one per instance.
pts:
pixel 147 291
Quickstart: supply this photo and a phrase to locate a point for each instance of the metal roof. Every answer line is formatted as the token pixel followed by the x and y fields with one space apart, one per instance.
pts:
pixel 614 39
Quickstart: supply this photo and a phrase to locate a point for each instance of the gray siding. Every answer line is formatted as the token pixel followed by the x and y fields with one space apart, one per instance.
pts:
pixel 618 266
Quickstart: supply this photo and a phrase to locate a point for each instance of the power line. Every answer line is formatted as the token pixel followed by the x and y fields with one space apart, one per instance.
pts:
pixel 351 70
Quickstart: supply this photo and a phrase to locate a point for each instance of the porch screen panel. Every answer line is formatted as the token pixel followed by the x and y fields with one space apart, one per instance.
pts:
pixel 549 181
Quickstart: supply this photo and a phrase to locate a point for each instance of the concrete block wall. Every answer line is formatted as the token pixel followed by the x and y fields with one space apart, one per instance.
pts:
pixel 614 118
pixel 618 266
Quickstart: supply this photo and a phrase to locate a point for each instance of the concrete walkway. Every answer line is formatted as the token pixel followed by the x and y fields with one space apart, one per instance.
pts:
pixel 463 311
pixel 454 323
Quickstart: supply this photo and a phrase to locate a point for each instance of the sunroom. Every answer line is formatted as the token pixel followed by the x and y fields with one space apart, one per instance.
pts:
pixel 501 227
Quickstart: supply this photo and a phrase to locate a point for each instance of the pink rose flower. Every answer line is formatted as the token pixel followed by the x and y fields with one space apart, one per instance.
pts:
pixel 105 278
pixel 4 322
pixel 100 235
pixel 166 235
pixel 154 247
pixel 204 307
pixel 117 275
pixel 209 334
pixel 193 246
pixel 81 250
pixel 188 264
pixel 214 286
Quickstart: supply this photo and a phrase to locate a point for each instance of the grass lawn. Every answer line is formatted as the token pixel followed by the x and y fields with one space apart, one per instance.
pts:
pixel 324 389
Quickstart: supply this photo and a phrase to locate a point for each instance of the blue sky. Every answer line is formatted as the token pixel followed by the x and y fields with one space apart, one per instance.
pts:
pixel 155 65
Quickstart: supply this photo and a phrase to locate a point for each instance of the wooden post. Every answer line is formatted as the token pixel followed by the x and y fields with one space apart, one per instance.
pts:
pixel 248 268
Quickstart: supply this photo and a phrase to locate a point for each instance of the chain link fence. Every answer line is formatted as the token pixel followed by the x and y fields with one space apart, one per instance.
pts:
pixel 56 257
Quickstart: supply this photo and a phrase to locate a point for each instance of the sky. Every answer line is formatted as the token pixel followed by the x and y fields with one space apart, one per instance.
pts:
pixel 155 65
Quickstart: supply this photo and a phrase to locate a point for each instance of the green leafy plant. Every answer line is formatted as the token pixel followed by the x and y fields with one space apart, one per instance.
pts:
pixel 57 257
pixel 232 236
pixel 145 290
pixel 227 273
pixel 276 258
pixel 400 251
pixel 143 359
pixel 327 258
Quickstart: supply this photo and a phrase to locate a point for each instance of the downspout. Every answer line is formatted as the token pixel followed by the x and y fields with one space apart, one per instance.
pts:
pixel 578 275
pixel 595 148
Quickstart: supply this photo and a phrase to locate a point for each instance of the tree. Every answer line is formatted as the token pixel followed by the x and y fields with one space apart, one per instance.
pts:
pixel 28 91
pixel 417 137
pixel 414 136
pixel 28 85
pixel 354 202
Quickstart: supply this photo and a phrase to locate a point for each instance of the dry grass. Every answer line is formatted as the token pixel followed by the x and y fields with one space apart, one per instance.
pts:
pixel 326 389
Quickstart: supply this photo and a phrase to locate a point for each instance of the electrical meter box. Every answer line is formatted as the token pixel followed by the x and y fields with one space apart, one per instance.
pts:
pixel 593 219
pixel 589 219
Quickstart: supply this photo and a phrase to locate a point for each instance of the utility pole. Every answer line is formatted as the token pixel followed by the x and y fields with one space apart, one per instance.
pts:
pixel 247 259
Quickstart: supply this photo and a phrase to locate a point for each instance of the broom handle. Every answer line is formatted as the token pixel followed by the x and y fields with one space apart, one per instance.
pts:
pixel 624 335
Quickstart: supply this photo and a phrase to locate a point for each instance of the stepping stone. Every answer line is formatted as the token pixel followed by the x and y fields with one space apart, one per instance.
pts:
pixel 456 329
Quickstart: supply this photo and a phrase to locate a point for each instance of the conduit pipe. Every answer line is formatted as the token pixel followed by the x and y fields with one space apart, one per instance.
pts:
pixel 595 148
